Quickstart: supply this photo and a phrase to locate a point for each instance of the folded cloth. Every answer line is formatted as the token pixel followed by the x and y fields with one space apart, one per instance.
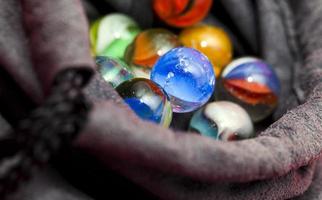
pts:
pixel 281 163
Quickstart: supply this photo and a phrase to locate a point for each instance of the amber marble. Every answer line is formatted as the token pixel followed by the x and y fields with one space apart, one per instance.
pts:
pixel 212 41
pixel 149 45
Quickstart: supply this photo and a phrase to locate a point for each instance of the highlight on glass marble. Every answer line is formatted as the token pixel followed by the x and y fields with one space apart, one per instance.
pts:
pixel 141 72
pixel 213 41
pixel 111 34
pixel 113 70
pixel 147 100
pixel 187 76
pixel 253 84
pixel 222 120
pixel 181 13
pixel 149 45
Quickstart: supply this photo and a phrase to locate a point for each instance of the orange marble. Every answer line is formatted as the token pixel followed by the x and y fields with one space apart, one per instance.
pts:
pixel 181 13
pixel 250 92
pixel 211 41
pixel 149 45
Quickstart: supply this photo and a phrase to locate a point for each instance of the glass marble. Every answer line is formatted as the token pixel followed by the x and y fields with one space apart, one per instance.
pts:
pixel 213 41
pixel 251 83
pixel 113 70
pixel 141 72
pixel 149 45
pixel 222 120
pixel 147 100
pixel 110 35
pixel 181 13
pixel 187 77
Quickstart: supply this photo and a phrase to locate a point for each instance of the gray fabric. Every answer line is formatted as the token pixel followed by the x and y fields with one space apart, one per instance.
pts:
pixel 243 14
pixel 278 164
pixel 98 90
pixel 210 19
pixel 47 184
pixel 309 33
pixel 91 11
pixel 4 127
pixel 15 55
pixel 140 11
pixel 56 51
pixel 55 34
pixel 275 48
pixel 315 190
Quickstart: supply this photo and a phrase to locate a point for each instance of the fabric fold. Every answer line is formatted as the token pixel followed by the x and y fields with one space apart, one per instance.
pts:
pixel 286 145
pixel 58 38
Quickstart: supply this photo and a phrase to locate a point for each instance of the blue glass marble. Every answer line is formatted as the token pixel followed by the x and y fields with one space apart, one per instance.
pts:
pixel 187 76
pixel 222 120
pixel 113 70
pixel 253 84
pixel 147 100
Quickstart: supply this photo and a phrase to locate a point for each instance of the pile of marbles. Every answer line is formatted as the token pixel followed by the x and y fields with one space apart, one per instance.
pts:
pixel 158 72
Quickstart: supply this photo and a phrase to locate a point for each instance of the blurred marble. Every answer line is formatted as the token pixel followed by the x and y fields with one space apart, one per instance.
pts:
pixel 111 34
pixel 113 70
pixel 213 41
pixel 222 120
pixel 147 100
pixel 149 45
pixel 181 13
pixel 251 83
pixel 141 72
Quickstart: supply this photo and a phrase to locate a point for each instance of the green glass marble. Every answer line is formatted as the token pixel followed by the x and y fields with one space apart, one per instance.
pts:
pixel 111 34
pixel 113 70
